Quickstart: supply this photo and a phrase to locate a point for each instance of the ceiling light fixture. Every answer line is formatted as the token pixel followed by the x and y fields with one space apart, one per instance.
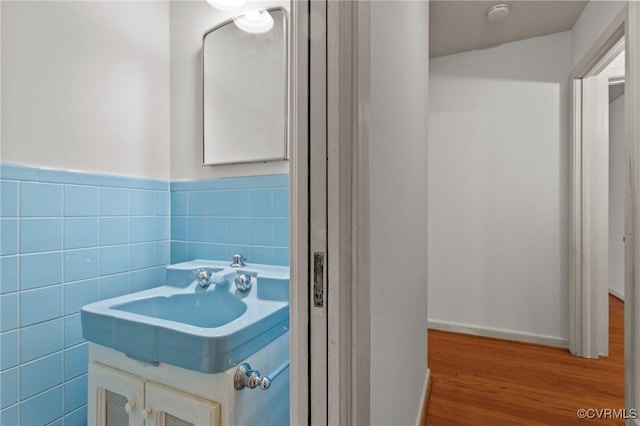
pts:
pixel 227 5
pixel 255 22
pixel 498 13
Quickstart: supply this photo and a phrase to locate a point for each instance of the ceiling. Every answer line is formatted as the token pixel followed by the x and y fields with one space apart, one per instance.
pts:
pixel 459 26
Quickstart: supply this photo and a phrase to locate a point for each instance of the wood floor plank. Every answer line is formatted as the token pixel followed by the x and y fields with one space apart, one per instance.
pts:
pixel 485 381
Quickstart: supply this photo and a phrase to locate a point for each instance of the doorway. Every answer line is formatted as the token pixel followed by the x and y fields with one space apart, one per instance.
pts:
pixel 592 205
pixel 589 261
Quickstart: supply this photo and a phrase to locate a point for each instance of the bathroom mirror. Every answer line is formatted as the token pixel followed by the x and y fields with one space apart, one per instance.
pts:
pixel 245 87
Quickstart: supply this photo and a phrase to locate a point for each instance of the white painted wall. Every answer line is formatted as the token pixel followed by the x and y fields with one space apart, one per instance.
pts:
pixel 594 20
pixel 398 204
pixel 189 21
pixel 617 184
pixel 86 86
pixel 498 189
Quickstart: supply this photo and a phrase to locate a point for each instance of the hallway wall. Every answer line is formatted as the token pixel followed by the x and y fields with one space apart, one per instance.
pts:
pixel 398 208
pixel 498 190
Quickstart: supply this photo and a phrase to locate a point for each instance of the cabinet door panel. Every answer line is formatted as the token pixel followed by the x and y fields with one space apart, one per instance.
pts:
pixel 170 407
pixel 115 398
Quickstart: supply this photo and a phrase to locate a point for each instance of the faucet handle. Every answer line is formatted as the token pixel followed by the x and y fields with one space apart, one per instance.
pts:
pixel 243 283
pixel 203 276
pixel 238 260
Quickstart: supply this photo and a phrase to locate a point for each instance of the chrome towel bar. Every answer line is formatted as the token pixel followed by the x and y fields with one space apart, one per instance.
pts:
pixel 245 377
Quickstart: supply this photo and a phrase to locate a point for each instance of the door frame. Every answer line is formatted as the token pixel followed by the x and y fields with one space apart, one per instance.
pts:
pixel 299 208
pixel 590 173
pixel 582 311
pixel 346 86
pixel 632 256
pixel 348 245
pixel 588 304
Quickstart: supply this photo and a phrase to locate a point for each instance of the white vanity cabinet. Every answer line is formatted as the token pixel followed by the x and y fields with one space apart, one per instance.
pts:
pixel 166 395
pixel 169 407
pixel 117 398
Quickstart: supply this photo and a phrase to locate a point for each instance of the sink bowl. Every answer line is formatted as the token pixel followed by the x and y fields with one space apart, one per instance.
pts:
pixel 205 309
pixel 184 325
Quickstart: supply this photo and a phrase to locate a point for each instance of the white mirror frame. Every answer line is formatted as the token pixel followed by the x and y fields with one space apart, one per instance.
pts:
pixel 287 108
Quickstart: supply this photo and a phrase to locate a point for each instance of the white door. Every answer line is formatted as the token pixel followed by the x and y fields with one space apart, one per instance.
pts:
pixel 165 406
pixel 115 398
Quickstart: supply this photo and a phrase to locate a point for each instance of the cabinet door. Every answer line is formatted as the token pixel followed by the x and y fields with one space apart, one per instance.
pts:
pixel 115 398
pixel 170 407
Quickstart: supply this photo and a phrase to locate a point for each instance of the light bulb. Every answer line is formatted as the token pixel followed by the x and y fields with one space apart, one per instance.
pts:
pixel 255 22
pixel 252 15
pixel 227 5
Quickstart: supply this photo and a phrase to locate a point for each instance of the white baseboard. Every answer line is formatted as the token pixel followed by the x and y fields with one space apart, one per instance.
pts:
pixel 425 389
pixel 616 294
pixel 498 333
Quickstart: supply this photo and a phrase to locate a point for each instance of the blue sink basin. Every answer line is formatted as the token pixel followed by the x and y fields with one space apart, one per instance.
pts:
pixel 204 309
pixel 184 325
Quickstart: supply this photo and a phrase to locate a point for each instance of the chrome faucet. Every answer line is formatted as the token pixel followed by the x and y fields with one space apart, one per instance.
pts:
pixel 204 277
pixel 243 283
pixel 238 260
pixel 224 276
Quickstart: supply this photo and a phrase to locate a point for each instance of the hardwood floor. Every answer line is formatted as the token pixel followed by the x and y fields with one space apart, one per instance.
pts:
pixel 483 381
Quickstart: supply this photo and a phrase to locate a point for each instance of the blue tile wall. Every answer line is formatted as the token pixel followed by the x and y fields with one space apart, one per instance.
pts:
pixel 67 239
pixel 70 238
pixel 213 219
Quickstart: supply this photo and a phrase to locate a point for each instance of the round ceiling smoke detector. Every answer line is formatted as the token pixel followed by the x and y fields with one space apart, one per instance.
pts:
pixel 498 13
